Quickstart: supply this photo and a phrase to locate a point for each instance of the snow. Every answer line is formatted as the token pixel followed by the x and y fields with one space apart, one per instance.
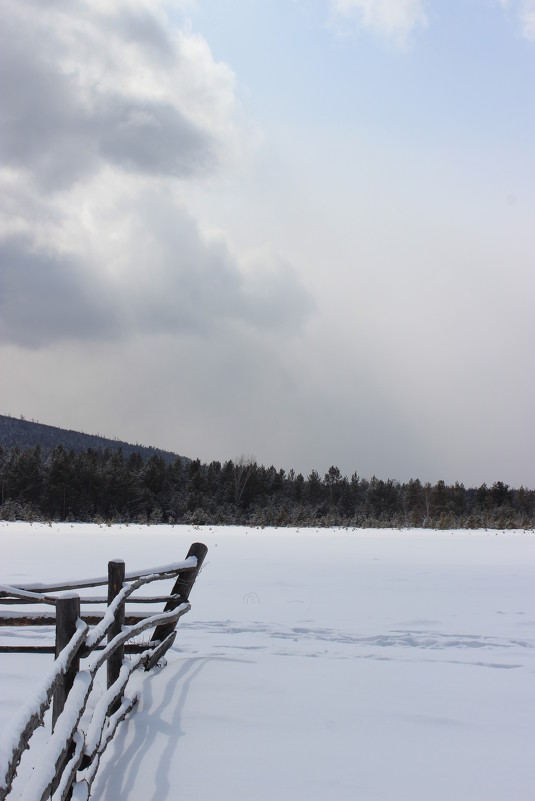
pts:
pixel 18 593
pixel 94 731
pixel 45 769
pixel 99 631
pixel 29 712
pixel 169 567
pixel 313 664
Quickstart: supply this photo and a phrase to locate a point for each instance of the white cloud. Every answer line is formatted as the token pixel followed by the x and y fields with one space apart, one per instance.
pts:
pixel 525 11
pixel 395 20
pixel 527 19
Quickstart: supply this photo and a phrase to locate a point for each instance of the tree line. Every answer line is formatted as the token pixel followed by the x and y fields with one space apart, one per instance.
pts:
pixel 106 486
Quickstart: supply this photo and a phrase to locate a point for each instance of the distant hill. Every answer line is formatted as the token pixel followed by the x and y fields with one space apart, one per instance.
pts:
pixel 26 434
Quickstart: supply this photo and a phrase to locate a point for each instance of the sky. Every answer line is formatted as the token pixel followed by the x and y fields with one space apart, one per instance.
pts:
pixel 301 232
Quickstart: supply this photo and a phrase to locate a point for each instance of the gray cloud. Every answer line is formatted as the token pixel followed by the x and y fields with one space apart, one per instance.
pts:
pixel 46 296
pixel 59 128
pixel 42 128
pixel 148 31
pixel 197 282
pixel 171 280
pixel 152 138
pixel 105 111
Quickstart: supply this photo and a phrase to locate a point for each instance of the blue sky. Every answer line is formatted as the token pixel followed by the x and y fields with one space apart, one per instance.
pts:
pixel 301 231
pixel 468 70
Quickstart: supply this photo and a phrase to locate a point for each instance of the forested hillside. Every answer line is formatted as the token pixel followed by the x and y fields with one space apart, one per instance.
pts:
pixel 109 486
pixel 16 431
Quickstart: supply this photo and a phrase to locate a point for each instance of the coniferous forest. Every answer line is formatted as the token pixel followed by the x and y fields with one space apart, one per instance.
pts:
pixel 104 485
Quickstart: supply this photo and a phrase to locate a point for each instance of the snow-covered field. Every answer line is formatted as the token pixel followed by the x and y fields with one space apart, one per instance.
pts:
pixel 314 665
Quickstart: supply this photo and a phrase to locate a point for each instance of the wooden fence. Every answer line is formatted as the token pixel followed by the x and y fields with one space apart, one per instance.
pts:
pixel 68 767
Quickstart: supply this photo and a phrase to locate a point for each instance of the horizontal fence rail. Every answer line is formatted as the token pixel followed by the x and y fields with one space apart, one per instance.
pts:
pixel 69 765
pixel 188 565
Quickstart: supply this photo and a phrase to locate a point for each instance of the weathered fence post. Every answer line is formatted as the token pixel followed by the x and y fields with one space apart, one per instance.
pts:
pixel 67 613
pixel 116 573
pixel 182 587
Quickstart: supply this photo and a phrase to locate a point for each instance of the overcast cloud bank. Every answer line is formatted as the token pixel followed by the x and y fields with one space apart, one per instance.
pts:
pixel 239 232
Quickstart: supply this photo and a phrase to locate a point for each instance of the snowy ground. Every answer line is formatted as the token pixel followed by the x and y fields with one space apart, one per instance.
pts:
pixel 315 665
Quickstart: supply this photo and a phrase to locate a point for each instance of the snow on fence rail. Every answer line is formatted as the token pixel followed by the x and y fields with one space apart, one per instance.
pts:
pixel 69 766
